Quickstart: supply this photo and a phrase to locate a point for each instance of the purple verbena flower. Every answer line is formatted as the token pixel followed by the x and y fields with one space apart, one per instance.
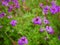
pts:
pixel 2 15
pixel 41 30
pixel 22 41
pixel 13 22
pixel 58 8
pixel 45 21
pixel 41 5
pixel 49 29
pixel 37 20
pixel 53 9
pixel 53 3
pixel 10 8
pixel 46 9
pixel 5 2
pixel 16 3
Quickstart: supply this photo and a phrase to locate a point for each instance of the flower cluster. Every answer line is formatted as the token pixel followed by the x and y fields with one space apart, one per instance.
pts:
pixel 40 21
pixel 53 9
pixel 11 5
pixel 15 4
pixel 23 40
